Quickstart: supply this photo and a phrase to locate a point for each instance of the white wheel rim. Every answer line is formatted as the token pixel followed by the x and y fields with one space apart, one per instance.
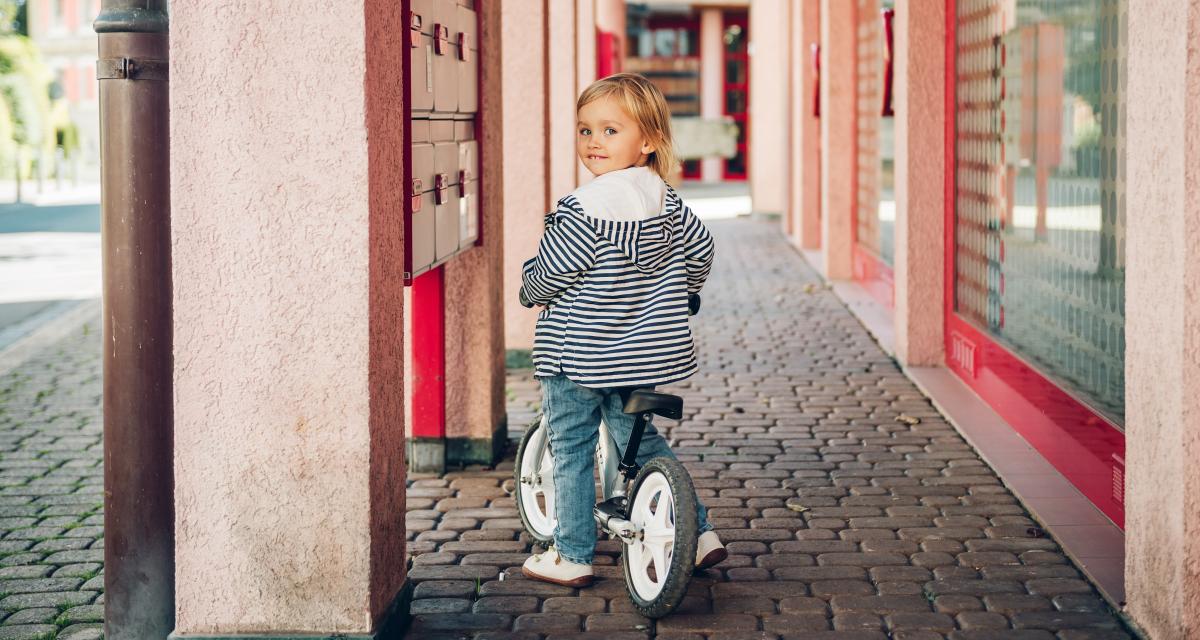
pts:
pixel 653 515
pixel 541 519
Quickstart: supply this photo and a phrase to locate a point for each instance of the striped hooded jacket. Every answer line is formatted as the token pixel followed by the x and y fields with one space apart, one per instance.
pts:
pixel 614 268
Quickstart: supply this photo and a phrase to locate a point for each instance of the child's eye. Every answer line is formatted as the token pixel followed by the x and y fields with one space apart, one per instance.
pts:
pixel 585 132
pixel 610 131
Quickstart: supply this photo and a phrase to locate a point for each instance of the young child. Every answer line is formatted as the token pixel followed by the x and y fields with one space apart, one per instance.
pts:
pixel 613 272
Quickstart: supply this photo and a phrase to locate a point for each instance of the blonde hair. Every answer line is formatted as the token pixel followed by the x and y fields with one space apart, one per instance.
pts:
pixel 643 102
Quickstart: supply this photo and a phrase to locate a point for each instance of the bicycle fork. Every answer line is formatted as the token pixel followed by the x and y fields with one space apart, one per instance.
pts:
pixel 613 513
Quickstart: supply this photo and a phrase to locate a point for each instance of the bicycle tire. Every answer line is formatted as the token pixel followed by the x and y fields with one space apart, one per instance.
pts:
pixel 686 527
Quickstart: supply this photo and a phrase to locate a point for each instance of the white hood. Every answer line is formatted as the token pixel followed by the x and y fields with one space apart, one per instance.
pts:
pixel 627 195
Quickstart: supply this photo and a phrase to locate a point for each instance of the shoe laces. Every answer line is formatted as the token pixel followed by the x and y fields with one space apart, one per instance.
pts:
pixel 557 555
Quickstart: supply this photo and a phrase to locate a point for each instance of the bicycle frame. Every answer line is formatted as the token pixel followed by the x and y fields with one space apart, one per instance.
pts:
pixel 607 460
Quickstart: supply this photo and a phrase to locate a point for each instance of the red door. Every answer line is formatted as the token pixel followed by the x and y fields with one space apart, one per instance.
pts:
pixel 736 79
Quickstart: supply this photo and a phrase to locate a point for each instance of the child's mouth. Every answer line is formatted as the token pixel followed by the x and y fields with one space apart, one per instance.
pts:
pixel 597 157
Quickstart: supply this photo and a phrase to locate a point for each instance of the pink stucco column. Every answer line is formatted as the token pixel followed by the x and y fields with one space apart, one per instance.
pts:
pixel 585 61
pixel 838 146
pixel 712 75
pixel 288 316
pixel 1162 315
pixel 522 160
pixel 476 424
pixel 561 92
pixel 920 122
pixel 768 121
pixel 804 177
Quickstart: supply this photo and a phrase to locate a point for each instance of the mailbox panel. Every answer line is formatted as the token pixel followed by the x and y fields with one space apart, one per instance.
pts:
pixel 464 129
pixel 423 166
pixel 446 198
pixel 441 130
pixel 423 231
pixel 445 57
pixel 468 159
pixel 447 226
pixel 420 81
pixel 446 160
pixel 468 216
pixel 468 61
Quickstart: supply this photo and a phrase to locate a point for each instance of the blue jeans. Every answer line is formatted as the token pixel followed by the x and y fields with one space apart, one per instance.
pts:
pixel 573 413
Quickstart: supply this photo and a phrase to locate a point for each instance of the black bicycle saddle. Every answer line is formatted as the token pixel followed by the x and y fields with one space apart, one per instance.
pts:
pixel 662 404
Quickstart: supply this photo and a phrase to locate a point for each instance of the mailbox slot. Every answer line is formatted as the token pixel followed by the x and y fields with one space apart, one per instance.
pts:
pixel 468 61
pixel 445 153
pixel 445 58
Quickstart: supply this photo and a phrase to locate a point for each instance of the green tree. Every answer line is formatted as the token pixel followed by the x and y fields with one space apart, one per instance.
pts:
pixel 13 17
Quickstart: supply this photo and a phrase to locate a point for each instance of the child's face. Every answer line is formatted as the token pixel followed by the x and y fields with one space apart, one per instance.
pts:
pixel 607 139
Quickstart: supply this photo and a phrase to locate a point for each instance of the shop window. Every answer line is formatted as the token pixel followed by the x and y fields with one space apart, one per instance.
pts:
pixel 1039 200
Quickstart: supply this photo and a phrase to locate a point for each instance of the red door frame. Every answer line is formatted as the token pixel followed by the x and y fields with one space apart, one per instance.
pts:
pixel 741 19
pixel 1085 446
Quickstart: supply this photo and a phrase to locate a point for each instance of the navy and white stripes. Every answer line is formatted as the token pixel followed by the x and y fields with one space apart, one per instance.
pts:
pixel 616 295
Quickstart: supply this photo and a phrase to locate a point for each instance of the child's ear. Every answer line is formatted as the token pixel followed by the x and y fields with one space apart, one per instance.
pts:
pixel 647 148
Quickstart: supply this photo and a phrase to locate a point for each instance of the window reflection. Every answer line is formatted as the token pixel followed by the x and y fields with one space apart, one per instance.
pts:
pixel 1039 201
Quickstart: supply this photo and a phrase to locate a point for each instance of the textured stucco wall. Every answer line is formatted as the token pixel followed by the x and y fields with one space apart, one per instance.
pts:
pixel 768 121
pixel 1162 352
pixel 804 152
pixel 561 93
pixel 585 61
pixel 385 41
pixel 838 138
pixel 280 336
pixel 919 104
pixel 474 280
pixel 521 93
pixel 712 75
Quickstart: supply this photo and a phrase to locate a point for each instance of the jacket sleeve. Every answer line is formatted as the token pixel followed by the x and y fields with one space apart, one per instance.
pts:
pixel 567 250
pixel 698 250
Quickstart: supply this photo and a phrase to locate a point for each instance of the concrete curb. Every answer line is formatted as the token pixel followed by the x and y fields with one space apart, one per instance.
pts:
pixel 56 323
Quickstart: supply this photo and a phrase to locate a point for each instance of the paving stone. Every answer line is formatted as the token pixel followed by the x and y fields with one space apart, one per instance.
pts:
pixel 32 616
pixel 547 622
pixel 618 622
pixel 37 585
pixel 459 622
pixel 1057 620
pixel 1001 634
pixel 26 571
pixel 48 599
pixel 581 605
pixel 444 589
pixel 792 623
pixel 439 605
pixel 878 604
pixel 27 632
pixel 981 620
pixel 707 623
pixel 918 620
pixel 745 604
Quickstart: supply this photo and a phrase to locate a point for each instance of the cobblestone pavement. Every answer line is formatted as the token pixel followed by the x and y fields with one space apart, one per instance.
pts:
pixel 51 493
pixel 851 508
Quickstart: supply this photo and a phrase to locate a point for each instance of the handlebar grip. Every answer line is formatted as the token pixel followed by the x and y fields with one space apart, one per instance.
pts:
pixel 525 302
pixel 693 304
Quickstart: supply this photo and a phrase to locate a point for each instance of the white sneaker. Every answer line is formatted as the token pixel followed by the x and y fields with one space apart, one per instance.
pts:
pixel 709 550
pixel 552 567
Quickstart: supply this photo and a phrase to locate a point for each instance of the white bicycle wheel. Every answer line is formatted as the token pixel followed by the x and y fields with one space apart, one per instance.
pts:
pixel 535 490
pixel 658 562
